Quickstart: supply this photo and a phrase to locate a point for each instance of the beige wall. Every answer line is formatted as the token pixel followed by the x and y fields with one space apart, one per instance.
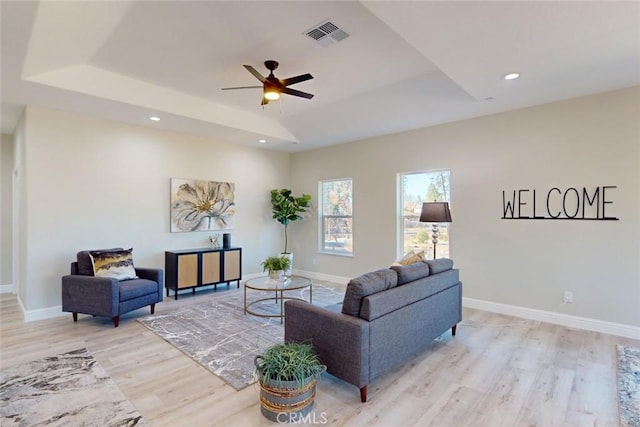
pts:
pixel 585 142
pixel 6 206
pixel 91 183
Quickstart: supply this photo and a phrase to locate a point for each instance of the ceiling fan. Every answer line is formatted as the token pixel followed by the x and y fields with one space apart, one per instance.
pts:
pixel 272 87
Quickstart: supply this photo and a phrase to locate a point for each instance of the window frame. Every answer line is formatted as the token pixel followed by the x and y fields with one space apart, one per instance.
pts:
pixel 321 218
pixel 401 217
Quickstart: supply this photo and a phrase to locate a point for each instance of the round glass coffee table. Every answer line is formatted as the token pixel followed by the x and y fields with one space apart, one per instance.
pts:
pixel 264 284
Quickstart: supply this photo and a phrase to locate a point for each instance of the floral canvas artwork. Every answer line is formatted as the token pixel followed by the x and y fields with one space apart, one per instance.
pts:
pixel 201 205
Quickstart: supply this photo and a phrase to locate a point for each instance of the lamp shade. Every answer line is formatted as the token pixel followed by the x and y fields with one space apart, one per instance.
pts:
pixel 435 212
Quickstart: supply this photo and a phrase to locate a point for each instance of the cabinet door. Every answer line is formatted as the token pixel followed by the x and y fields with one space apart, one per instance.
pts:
pixel 187 270
pixel 232 265
pixel 210 267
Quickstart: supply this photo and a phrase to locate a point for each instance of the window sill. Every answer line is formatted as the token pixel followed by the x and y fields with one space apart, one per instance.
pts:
pixel 343 254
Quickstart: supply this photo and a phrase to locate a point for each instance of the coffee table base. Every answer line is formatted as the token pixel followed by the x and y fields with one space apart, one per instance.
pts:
pixel 279 297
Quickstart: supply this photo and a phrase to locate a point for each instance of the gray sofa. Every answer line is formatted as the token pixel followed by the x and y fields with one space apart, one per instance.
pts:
pixel 387 316
pixel 82 292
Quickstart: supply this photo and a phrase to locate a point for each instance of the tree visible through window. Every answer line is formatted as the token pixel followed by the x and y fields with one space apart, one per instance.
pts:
pixel 415 189
pixel 336 216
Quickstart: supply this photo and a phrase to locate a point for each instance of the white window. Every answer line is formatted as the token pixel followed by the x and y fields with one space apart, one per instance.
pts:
pixel 336 221
pixel 415 189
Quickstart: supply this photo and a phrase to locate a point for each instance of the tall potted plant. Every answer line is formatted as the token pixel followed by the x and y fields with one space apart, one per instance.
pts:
pixel 287 208
pixel 288 374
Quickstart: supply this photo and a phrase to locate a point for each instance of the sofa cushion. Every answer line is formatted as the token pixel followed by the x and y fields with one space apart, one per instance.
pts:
pixel 85 265
pixel 367 284
pixel 378 305
pixel 114 264
pixel 411 272
pixel 130 289
pixel 439 265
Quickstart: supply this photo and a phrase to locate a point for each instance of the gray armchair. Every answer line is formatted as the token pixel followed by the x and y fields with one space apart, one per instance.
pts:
pixel 82 292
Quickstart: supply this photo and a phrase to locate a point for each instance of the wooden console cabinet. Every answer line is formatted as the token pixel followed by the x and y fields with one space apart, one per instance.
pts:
pixel 192 268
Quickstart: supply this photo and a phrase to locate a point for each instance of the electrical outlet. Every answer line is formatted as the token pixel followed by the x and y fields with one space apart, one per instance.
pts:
pixel 567 297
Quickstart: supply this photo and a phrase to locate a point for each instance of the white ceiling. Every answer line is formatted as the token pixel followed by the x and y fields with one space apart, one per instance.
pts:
pixel 406 64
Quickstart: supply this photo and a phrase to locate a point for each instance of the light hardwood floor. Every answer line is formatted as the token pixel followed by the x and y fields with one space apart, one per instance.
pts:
pixel 497 371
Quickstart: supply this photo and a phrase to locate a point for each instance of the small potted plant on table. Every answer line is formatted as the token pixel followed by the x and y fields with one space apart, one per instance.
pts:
pixel 276 266
pixel 288 374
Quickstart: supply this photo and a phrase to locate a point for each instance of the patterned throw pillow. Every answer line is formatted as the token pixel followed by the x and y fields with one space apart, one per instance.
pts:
pixel 115 264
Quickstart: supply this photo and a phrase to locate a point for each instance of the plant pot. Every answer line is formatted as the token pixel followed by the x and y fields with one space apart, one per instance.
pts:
pixel 289 255
pixel 276 275
pixel 280 400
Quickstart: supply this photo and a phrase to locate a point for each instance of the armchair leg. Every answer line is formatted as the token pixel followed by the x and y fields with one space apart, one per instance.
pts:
pixel 153 308
pixel 75 316
pixel 116 321
pixel 453 329
pixel 363 394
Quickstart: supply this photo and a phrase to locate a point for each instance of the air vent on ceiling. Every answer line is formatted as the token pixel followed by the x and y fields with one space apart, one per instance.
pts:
pixel 326 33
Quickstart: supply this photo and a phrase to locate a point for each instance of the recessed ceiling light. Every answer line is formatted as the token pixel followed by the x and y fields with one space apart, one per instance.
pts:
pixel 262 141
pixel 511 76
pixel 154 118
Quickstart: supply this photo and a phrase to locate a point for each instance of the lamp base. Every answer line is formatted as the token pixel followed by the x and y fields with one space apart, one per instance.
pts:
pixel 435 230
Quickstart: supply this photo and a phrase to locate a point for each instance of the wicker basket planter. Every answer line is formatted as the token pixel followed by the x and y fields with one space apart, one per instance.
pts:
pixel 279 400
pixel 288 374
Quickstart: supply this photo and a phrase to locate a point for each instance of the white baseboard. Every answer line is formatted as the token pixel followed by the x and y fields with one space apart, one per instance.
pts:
pixel 44 313
pixel 7 289
pixel 320 276
pixel 612 328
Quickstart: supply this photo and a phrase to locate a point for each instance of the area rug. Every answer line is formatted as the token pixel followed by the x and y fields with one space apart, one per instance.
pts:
pixel 70 389
pixel 629 385
pixel 217 334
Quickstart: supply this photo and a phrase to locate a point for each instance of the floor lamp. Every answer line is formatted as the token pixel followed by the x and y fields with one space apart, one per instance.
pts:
pixel 435 213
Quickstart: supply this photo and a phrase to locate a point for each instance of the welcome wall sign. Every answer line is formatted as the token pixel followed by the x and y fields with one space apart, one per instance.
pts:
pixel 571 203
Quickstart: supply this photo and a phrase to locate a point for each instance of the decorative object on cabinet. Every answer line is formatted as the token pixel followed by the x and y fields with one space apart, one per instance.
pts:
pixel 193 268
pixel 435 213
pixel 214 241
pixel 198 205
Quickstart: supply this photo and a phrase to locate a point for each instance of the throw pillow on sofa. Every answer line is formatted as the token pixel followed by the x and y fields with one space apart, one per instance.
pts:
pixel 114 264
pixel 410 257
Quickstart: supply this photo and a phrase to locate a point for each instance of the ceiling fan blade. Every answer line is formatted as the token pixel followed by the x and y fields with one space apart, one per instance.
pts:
pixel 299 93
pixel 240 87
pixel 255 73
pixel 296 79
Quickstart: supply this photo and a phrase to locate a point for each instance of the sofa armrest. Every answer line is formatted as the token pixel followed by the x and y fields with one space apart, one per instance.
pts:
pixel 155 274
pixel 341 341
pixel 90 295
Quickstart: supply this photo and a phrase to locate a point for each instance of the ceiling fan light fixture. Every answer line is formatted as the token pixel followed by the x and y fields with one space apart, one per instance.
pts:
pixel 271 93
